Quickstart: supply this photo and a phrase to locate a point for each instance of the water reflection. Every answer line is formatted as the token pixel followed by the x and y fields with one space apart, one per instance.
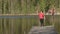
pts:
pixel 17 25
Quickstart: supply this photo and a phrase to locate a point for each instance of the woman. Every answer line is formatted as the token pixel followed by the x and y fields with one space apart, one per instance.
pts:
pixel 41 17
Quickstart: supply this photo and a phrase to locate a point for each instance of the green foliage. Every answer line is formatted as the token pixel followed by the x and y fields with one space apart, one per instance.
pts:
pixel 26 6
pixel 43 5
pixel 47 8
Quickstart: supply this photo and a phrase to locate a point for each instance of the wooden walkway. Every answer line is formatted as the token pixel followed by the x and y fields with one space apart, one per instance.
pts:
pixel 42 30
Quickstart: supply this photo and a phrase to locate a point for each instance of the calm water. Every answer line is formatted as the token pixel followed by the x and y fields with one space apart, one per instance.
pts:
pixel 23 24
pixel 17 24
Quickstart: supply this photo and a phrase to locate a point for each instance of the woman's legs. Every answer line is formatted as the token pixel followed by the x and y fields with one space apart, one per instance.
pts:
pixel 42 22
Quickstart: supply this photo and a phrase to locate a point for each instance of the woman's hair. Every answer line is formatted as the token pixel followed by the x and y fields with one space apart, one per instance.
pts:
pixel 40 11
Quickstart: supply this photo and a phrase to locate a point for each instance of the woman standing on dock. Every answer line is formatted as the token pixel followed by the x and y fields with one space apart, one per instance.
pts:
pixel 41 17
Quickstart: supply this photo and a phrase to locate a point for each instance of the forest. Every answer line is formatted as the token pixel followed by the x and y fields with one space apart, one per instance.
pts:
pixel 26 6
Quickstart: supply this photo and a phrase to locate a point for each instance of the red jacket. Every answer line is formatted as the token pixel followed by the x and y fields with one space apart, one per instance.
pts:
pixel 41 15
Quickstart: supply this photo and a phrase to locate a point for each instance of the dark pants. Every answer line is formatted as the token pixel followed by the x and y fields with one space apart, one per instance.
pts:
pixel 42 22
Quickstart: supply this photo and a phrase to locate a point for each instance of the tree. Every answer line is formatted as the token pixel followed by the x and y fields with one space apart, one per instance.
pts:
pixel 42 5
